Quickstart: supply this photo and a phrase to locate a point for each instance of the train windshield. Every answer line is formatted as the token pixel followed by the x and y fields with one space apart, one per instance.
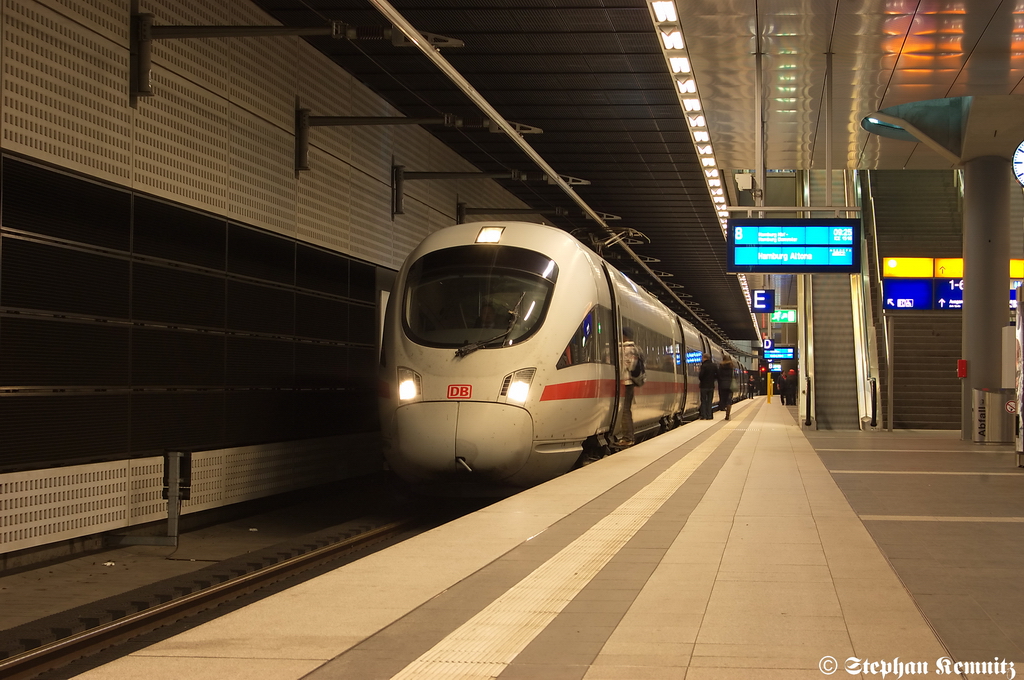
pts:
pixel 491 295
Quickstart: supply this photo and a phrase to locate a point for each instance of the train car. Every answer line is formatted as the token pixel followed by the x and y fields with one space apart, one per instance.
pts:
pixel 500 363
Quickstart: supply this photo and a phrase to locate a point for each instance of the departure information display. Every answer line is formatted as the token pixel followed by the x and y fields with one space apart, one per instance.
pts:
pixel 779 353
pixel 793 246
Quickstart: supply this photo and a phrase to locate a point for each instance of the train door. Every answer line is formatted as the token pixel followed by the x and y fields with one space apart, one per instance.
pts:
pixel 681 367
pixel 616 355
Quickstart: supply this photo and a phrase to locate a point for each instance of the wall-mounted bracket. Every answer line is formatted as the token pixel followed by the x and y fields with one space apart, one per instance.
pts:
pixel 144 33
pixel 604 216
pixel 461 211
pixel 304 121
pixel 399 177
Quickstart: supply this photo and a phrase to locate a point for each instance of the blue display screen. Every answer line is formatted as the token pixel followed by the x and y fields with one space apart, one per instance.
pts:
pixel 793 246
pixel 780 353
pixel 949 294
pixel 907 293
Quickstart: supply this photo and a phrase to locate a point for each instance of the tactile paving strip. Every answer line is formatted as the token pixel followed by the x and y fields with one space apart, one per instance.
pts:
pixel 488 642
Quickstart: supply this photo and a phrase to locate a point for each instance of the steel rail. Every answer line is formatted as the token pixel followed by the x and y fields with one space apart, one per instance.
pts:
pixel 61 652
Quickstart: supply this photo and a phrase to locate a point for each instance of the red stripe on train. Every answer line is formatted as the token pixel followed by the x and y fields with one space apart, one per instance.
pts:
pixel 579 389
pixel 592 389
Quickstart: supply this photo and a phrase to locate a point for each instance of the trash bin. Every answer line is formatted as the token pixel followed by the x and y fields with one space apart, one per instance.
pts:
pixel 995 411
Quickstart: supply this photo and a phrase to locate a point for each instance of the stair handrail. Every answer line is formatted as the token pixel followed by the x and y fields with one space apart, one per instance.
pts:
pixel 874 401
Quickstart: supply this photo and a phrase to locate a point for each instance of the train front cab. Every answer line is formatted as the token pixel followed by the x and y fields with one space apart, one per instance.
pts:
pixel 509 411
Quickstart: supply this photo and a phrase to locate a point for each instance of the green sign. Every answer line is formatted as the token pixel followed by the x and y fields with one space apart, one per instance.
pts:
pixel 784 316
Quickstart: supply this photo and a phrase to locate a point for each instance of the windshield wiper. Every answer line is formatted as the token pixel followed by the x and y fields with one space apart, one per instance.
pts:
pixel 513 320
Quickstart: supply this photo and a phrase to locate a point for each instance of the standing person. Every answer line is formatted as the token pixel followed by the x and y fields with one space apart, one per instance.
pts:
pixel 790 387
pixel 630 357
pixel 708 377
pixel 725 385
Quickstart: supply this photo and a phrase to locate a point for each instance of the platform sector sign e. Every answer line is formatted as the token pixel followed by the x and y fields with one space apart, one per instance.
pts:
pixel 793 246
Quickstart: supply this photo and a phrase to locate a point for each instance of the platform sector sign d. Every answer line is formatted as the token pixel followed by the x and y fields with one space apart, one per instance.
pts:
pixel 793 246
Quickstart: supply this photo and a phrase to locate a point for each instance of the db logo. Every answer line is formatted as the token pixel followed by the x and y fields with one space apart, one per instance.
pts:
pixel 460 391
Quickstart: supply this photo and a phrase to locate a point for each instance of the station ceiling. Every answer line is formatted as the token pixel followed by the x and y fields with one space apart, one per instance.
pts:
pixel 592 75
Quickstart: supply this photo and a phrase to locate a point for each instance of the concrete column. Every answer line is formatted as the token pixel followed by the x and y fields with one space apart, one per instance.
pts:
pixel 986 275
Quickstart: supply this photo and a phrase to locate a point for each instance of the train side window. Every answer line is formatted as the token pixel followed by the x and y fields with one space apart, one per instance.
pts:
pixel 591 343
pixel 582 347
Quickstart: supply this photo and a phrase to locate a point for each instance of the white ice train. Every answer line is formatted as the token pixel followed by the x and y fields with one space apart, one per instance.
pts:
pixel 500 361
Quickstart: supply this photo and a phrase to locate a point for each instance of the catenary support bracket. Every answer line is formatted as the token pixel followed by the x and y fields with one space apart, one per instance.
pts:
pixel 461 211
pixel 399 177
pixel 144 33
pixel 304 121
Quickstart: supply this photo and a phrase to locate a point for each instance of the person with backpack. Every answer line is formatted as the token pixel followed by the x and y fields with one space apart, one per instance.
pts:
pixel 708 378
pixel 634 375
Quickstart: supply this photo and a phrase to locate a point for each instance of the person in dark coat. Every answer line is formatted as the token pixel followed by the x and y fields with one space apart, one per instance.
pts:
pixel 708 377
pixel 726 375
pixel 789 388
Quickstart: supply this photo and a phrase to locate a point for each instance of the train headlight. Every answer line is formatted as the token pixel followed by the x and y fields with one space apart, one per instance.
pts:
pixel 516 386
pixel 410 385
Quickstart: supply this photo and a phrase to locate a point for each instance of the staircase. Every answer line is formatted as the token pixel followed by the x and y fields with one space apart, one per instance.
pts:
pixel 917 213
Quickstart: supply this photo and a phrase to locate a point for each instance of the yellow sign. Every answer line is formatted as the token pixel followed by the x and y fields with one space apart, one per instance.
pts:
pixel 949 267
pixel 938 267
pixel 912 267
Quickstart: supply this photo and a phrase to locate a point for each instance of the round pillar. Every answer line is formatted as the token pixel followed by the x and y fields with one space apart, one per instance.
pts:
pixel 986 276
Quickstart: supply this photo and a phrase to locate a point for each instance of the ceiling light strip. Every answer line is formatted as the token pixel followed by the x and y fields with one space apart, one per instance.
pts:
pixel 432 53
pixel 665 16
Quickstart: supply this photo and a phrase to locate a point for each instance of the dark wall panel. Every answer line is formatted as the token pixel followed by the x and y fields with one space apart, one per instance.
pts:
pixel 363 282
pixel 362 325
pixel 62 429
pixel 50 352
pixel 166 328
pixel 259 362
pixel 362 381
pixel 172 233
pixel 177 297
pixel 45 202
pixel 39 276
pixel 323 414
pixel 321 366
pixel 321 318
pixel 173 420
pixel 322 271
pixel 261 256
pixel 260 309
pixel 169 358
pixel 255 417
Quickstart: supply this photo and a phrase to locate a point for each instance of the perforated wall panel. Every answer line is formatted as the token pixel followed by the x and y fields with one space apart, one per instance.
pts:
pixel 262 182
pixel 107 17
pixel 65 92
pixel 182 143
pixel 41 507
pixel 206 62
pixel 44 506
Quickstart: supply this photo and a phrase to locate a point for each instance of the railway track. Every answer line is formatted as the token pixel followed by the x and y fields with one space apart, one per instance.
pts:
pixel 47 646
